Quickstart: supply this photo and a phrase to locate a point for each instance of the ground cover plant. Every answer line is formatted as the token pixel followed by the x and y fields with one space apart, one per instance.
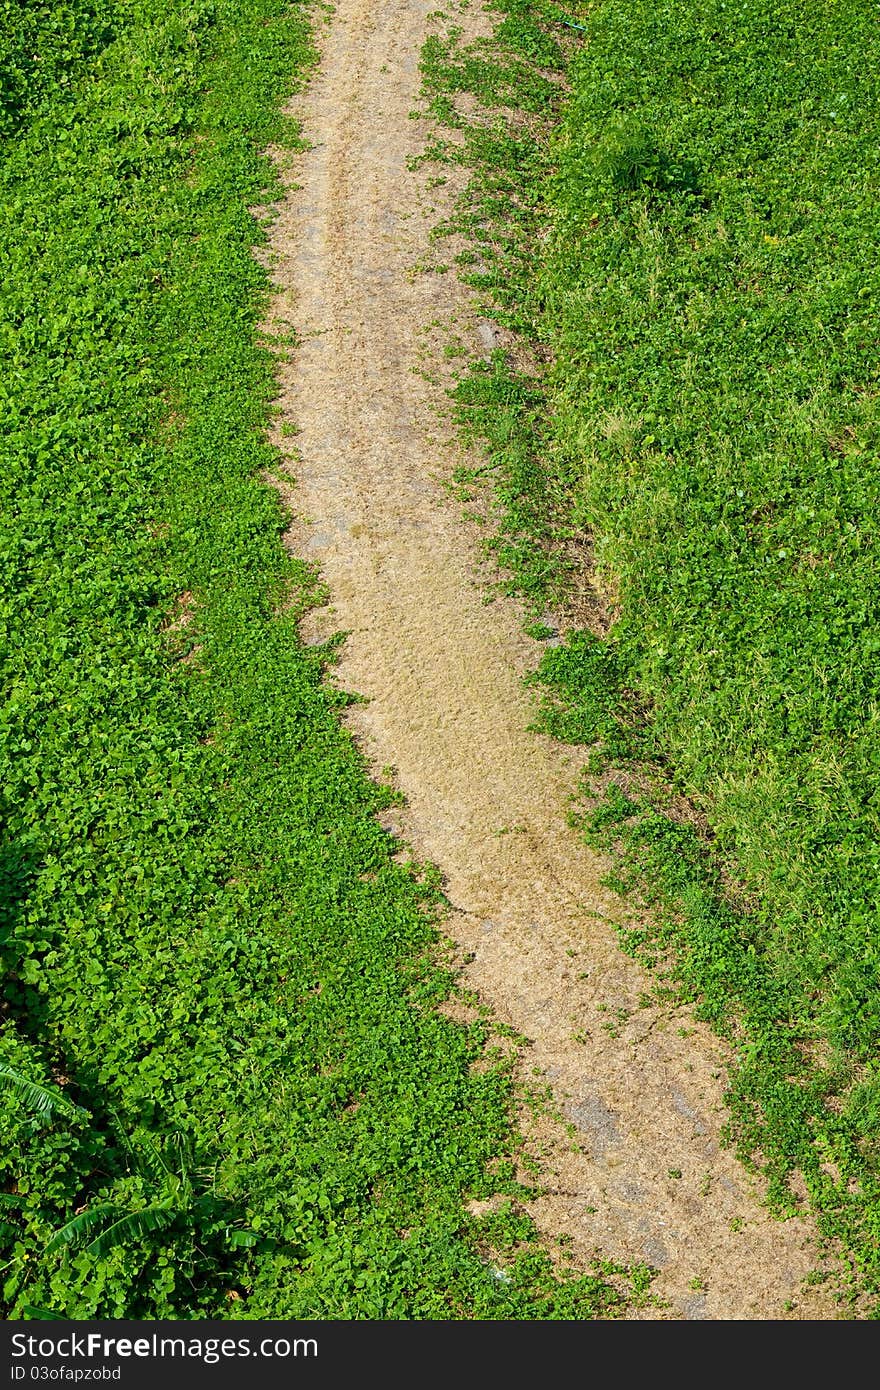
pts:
pixel 41 48
pixel 224 1087
pixel 685 236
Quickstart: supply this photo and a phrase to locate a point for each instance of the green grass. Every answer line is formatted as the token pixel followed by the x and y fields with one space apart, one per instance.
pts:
pixel 686 234
pixel 220 1056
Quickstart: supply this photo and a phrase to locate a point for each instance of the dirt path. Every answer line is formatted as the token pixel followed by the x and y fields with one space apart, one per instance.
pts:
pixel 486 798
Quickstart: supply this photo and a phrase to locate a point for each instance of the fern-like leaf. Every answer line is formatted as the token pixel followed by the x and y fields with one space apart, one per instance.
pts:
pixel 149 1159
pixel 181 1147
pixel 81 1227
pixel 39 1100
pixel 135 1225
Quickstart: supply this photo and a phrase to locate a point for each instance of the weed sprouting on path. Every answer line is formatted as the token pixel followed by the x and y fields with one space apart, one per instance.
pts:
pixel 674 206
pixel 224 1087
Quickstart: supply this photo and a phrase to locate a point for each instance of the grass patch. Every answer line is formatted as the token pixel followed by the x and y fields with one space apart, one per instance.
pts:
pixel 225 1090
pixel 686 236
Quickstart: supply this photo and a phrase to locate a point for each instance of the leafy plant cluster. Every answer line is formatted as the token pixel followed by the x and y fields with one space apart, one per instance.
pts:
pixel 41 47
pixel 697 275
pixel 225 1089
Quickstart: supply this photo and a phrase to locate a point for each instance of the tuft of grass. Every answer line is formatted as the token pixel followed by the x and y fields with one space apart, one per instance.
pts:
pixel 685 238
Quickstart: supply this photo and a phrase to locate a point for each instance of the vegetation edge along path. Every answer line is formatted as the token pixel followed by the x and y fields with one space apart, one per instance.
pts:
pixel 225 1086
pixel 681 434
pixel 635 1166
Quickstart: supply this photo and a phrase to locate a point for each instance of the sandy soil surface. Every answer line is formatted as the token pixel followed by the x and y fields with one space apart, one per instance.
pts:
pixel 637 1172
